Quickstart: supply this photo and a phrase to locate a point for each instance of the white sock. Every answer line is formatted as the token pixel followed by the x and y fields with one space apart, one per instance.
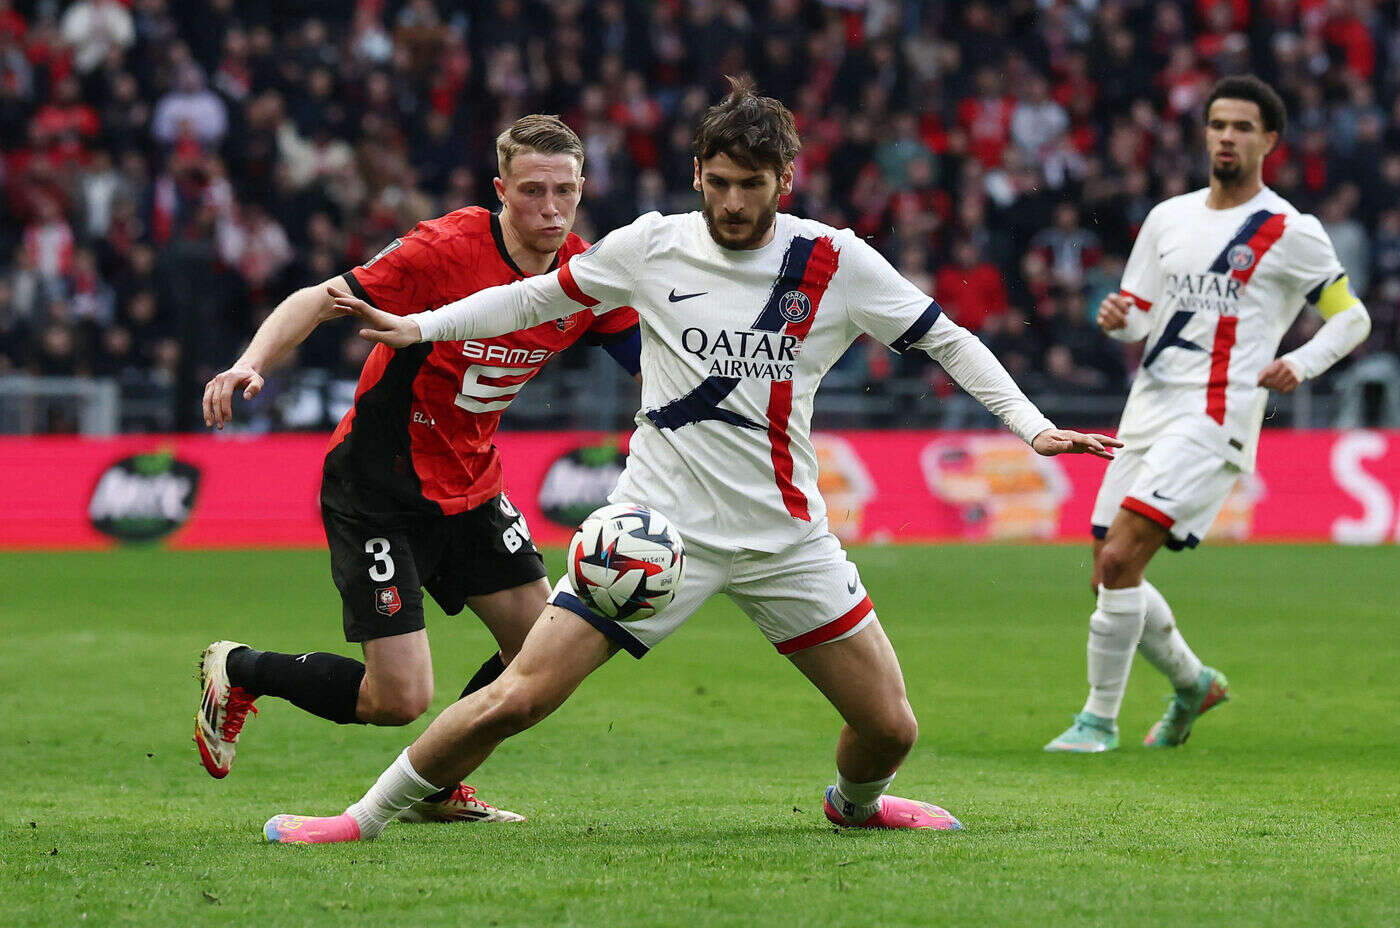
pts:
pixel 858 801
pixel 1114 630
pixel 1163 645
pixel 397 788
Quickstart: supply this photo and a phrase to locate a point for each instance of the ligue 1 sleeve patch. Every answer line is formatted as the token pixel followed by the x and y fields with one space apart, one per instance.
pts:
pixel 387 248
pixel 386 600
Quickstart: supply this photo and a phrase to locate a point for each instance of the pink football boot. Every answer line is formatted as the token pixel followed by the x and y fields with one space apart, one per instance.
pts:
pixel 306 829
pixel 895 813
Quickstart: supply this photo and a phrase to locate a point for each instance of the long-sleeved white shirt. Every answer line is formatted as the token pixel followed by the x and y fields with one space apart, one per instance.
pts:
pixel 734 346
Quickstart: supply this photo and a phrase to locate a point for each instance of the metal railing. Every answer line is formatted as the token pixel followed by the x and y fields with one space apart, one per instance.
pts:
pixel 30 405
pixel 593 393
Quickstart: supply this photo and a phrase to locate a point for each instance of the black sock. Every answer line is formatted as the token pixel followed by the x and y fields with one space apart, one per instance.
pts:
pixel 323 684
pixel 488 671
pixel 484 675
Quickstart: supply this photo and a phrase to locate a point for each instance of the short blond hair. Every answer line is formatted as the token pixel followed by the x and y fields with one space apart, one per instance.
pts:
pixel 540 133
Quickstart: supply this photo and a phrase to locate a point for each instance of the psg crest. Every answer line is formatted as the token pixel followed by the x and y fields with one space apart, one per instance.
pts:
pixel 794 306
pixel 1241 257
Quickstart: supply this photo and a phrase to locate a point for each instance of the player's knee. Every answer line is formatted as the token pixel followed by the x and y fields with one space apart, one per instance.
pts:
pixel 1114 565
pixel 399 707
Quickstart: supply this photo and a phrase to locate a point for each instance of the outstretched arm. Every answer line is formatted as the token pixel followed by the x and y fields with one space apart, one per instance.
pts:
pixel 892 309
pixel 286 327
pixel 977 371
pixel 484 314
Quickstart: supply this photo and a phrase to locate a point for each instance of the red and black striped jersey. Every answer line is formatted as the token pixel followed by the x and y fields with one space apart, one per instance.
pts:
pixel 419 435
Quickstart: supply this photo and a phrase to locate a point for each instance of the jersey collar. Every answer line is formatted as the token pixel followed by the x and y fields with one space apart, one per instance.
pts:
pixel 500 240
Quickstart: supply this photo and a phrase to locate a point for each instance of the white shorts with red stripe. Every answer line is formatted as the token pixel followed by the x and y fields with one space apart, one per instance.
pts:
pixel 1176 482
pixel 805 595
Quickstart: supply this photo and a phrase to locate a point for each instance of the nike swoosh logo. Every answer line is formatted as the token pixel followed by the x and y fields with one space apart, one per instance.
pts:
pixel 1156 495
pixel 677 297
pixel 1163 254
pixel 851 587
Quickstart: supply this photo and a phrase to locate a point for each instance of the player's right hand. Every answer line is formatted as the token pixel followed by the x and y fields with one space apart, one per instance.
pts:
pixel 385 328
pixel 1113 312
pixel 218 393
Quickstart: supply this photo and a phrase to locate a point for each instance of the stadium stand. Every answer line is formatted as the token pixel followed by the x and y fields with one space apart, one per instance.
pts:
pixel 171 169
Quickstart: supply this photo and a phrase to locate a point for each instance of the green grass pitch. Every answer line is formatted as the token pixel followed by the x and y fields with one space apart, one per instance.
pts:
pixel 685 789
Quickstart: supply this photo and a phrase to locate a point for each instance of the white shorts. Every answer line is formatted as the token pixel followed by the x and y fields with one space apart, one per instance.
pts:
pixel 806 595
pixel 1175 482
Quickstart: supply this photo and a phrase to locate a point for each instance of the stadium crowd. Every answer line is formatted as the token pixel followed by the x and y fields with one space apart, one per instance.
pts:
pixel 173 168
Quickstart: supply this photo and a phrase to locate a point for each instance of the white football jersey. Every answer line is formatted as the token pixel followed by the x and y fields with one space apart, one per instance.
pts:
pixel 734 345
pixel 1221 287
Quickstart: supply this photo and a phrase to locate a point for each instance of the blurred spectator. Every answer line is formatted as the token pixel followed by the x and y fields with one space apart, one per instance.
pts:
pixel 1348 235
pixel 48 243
pixel 969 288
pixel 985 117
pixel 94 29
pixel 1037 120
pixel 1069 249
pixel 252 242
pixel 191 111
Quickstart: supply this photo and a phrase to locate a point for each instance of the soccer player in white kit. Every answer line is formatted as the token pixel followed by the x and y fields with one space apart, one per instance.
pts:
pixel 742 310
pixel 1215 279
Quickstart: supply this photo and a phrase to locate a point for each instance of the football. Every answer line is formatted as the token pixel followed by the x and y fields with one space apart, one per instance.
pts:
pixel 626 562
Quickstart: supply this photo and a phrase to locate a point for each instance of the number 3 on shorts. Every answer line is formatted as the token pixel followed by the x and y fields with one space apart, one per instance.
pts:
pixel 383 567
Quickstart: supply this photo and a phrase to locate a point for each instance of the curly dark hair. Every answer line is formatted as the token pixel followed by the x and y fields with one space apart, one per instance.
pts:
pixel 1248 87
pixel 756 132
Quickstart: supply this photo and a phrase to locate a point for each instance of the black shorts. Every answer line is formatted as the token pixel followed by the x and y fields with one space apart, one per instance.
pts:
pixel 382 564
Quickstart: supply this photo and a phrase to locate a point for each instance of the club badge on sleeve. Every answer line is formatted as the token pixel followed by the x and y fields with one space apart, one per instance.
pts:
pixel 386 600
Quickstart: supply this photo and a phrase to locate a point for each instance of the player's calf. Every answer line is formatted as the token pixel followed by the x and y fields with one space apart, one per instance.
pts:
pixel 881 742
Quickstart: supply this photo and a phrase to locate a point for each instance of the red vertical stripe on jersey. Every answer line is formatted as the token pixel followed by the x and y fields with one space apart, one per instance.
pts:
pixel 779 409
pixel 1220 367
pixel 1260 243
pixel 816 276
pixel 571 290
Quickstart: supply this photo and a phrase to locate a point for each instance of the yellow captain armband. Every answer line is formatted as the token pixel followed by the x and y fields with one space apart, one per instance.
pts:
pixel 1334 297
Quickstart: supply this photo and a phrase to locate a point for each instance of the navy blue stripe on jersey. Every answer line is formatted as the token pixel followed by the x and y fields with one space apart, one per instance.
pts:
pixel 1171 337
pixel 1221 264
pixel 919 329
pixel 701 405
pixel 627 351
pixel 613 631
pixel 789 278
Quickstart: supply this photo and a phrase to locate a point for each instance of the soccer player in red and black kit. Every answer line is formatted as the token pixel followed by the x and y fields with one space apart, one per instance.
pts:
pixel 411 493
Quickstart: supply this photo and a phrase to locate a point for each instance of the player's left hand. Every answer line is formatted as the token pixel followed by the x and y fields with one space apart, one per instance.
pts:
pixel 1280 375
pixel 1066 441
pixel 386 328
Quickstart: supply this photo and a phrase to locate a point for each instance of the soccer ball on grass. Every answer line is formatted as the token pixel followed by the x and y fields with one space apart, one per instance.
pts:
pixel 626 562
